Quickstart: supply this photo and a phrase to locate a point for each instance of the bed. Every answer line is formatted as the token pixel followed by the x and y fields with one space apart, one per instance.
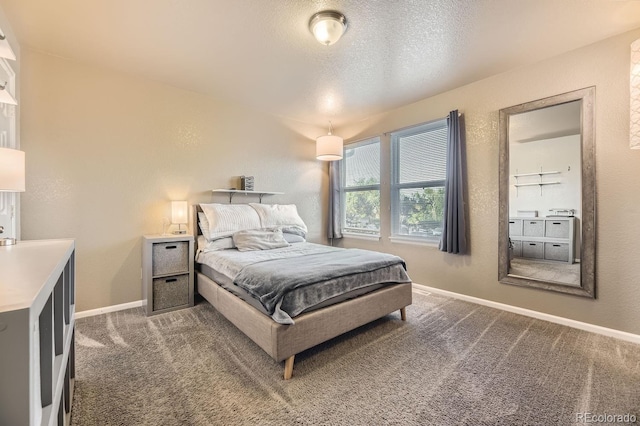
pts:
pixel 289 296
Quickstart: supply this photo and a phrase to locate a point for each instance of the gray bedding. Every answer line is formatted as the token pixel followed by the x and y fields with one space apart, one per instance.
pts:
pixel 288 302
pixel 289 281
pixel 269 281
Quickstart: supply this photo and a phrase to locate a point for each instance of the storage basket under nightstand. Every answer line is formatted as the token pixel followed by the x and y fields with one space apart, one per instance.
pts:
pixel 167 272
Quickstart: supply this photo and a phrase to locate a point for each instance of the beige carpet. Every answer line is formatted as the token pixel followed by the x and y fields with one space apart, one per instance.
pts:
pixel 451 363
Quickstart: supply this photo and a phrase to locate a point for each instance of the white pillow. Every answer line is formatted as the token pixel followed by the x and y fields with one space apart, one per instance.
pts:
pixel 215 245
pixel 259 239
pixel 203 223
pixel 284 216
pixel 227 219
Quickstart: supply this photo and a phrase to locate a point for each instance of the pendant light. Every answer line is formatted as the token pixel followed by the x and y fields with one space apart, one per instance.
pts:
pixel 329 147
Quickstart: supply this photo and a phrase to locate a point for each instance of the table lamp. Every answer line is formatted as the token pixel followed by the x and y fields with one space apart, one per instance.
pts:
pixel 179 215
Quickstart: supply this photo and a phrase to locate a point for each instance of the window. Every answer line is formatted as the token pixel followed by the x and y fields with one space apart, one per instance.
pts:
pixel 360 188
pixel 418 173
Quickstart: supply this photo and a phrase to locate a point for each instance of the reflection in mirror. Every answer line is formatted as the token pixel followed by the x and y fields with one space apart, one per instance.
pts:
pixel 544 193
pixel 546 161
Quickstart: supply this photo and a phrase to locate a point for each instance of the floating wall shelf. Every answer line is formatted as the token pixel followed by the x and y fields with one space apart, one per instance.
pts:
pixel 233 192
pixel 540 183
pixel 536 174
pixel 536 183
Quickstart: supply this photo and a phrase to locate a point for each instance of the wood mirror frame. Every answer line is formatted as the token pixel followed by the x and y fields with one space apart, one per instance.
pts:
pixel 587 287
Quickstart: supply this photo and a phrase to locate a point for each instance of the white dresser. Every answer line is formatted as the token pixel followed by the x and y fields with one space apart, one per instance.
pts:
pixel 547 238
pixel 37 318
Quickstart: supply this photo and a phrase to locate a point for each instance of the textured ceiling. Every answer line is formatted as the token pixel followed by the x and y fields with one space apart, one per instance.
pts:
pixel 260 53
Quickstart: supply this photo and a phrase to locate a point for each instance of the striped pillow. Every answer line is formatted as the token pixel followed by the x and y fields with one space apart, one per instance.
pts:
pixel 203 223
pixel 227 219
pixel 283 216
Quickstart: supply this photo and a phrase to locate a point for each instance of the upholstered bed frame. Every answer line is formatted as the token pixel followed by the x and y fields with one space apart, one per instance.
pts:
pixel 282 342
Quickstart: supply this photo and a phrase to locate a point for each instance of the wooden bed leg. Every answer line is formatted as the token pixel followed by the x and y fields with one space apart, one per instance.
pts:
pixel 403 313
pixel 288 367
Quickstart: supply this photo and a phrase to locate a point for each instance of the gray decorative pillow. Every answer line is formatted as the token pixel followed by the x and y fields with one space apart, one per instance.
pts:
pixel 259 239
pixel 293 238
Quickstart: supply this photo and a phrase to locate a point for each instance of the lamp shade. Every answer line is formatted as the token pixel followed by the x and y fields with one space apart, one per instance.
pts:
pixel 634 87
pixel 328 26
pixel 11 170
pixel 329 147
pixel 179 212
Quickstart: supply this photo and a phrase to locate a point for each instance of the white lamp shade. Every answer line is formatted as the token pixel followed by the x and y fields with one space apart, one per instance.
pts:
pixel 327 27
pixel 179 212
pixel 11 170
pixel 6 51
pixel 6 98
pixel 329 148
pixel 634 86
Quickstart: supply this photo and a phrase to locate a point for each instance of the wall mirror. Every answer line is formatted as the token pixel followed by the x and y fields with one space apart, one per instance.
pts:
pixel 547 194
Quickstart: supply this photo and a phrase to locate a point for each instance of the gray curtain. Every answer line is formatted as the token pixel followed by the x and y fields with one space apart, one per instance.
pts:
pixel 334 226
pixel 454 238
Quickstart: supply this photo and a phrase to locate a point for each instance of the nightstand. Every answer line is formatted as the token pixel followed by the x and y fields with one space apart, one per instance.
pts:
pixel 167 272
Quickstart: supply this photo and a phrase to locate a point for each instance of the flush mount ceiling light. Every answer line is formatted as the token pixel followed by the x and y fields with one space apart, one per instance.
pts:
pixel 328 26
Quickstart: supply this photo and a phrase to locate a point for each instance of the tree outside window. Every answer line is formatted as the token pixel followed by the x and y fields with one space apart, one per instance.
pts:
pixel 418 172
pixel 361 187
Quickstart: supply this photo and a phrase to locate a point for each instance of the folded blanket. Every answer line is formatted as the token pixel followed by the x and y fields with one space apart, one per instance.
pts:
pixel 270 280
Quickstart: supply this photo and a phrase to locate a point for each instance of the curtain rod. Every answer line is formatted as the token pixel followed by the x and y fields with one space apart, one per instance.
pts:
pixel 419 124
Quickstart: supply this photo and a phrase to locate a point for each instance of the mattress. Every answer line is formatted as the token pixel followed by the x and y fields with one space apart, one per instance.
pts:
pixel 224 266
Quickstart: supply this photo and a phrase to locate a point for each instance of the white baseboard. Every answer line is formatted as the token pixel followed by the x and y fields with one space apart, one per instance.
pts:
pixel 622 335
pixel 106 309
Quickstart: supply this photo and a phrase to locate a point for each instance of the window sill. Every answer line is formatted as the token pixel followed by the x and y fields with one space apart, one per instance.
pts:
pixel 361 236
pixel 415 241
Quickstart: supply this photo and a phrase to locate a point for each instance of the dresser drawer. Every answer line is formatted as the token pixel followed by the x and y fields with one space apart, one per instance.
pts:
pixel 533 228
pixel 169 292
pixel 515 227
pixel 533 250
pixel 557 228
pixel 556 251
pixel 170 258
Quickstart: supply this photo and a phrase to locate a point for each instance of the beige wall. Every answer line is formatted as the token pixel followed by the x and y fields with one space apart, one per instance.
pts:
pixel 604 65
pixel 106 153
